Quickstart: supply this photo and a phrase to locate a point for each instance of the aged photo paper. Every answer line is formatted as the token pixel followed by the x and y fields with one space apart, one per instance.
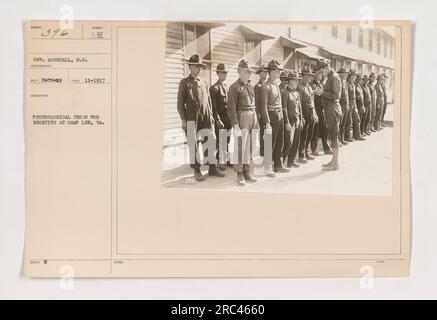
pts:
pixel 217 148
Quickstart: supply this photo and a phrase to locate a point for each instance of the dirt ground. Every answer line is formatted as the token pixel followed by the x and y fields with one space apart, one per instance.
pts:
pixel 365 169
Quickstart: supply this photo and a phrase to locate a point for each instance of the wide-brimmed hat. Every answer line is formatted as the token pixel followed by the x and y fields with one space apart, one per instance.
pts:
pixel 307 71
pixel 195 59
pixel 221 68
pixel 341 70
pixel 293 75
pixel 283 75
pixel 352 72
pixel 261 68
pixel 365 77
pixel 244 64
pixel 381 76
pixel 274 65
pixel 359 76
pixel 372 76
pixel 321 64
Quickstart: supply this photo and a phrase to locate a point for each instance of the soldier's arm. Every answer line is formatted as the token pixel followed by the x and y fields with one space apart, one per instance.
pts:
pixel 181 100
pixel 263 101
pixel 284 100
pixel 232 105
pixel 213 95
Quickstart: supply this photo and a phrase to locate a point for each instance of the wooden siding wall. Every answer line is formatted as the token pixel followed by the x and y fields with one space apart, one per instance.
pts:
pixel 174 72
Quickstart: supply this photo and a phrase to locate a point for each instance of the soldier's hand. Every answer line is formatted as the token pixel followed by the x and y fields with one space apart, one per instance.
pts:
pixel 268 129
pixel 237 131
pixel 184 125
pixel 287 127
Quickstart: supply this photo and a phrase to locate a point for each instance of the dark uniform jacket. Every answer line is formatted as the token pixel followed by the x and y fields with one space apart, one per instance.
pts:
pixel 241 96
pixel 367 96
pixel 372 91
pixel 219 98
pixel 306 96
pixel 352 95
pixel 380 100
pixel 270 99
pixel 257 89
pixel 291 103
pixel 359 97
pixel 193 100
pixel 344 98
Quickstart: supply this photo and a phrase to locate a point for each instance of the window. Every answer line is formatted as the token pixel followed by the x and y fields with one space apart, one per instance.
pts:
pixel 349 35
pixel 378 43
pixel 334 31
pixel 385 46
pixel 198 41
pixel 252 51
pixel 370 39
pixel 391 48
pixel 361 38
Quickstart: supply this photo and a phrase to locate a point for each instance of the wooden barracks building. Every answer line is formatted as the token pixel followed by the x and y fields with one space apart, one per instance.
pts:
pixel 295 46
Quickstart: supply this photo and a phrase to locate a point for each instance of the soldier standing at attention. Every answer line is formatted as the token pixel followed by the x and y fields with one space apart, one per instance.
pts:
pixel 331 94
pixel 284 80
pixel 272 116
pixel 309 115
pixel 367 104
pixel 242 113
pixel 263 74
pixel 371 86
pixel 195 111
pixel 344 103
pixel 379 102
pixel 354 117
pixel 384 88
pixel 320 131
pixel 219 99
pixel 291 103
pixel 360 102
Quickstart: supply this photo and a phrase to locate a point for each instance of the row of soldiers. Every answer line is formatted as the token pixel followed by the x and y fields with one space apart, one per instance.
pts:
pixel 291 111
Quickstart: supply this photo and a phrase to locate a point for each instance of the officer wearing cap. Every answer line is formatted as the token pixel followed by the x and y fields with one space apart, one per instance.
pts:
pixel 219 100
pixel 344 103
pixel 291 103
pixel 320 131
pixel 195 111
pixel 284 79
pixel 273 118
pixel 242 114
pixel 309 114
pixel 262 74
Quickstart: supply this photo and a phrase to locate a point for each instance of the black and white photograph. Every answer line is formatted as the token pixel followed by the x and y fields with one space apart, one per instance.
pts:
pixel 279 108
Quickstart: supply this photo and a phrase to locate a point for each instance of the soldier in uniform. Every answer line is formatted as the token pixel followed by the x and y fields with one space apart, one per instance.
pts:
pixel 273 117
pixel 367 104
pixel 242 113
pixel 331 94
pixel 384 89
pixel 372 90
pixel 320 131
pixel 219 99
pixel 380 101
pixel 196 113
pixel 263 74
pixel 309 115
pixel 354 115
pixel 291 103
pixel 344 103
pixel 359 96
